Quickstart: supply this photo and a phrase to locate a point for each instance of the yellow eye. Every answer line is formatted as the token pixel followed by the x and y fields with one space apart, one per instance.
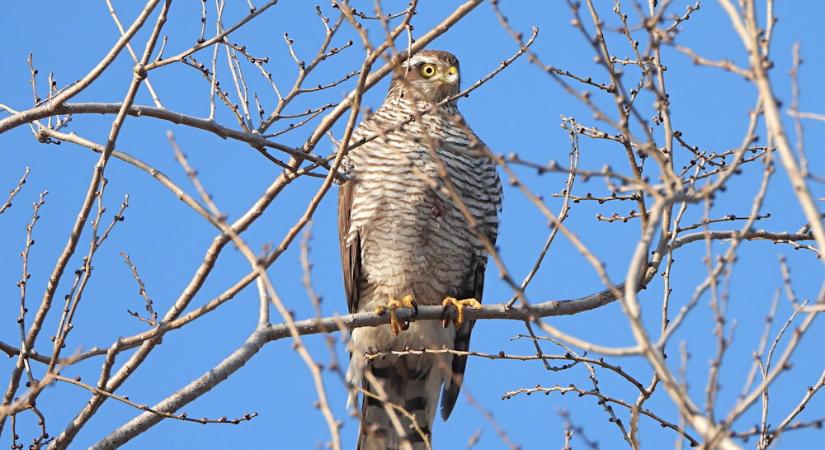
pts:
pixel 453 70
pixel 427 70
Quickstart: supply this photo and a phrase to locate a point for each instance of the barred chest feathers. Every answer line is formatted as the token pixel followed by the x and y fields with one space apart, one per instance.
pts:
pixel 414 235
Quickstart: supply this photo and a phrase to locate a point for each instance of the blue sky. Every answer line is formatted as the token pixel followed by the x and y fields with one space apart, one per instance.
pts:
pixel 518 111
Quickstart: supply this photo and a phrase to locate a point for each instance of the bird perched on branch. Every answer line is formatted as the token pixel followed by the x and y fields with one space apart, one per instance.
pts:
pixel 418 211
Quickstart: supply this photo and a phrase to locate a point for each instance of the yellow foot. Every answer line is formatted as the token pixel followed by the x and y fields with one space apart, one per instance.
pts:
pixel 407 302
pixel 459 305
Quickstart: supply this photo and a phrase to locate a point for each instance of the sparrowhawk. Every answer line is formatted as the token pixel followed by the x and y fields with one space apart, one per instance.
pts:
pixel 421 199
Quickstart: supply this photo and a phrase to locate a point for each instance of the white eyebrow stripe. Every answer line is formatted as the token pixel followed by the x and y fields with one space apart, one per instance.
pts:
pixel 418 59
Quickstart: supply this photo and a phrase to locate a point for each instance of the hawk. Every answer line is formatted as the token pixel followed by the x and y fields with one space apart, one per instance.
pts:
pixel 421 197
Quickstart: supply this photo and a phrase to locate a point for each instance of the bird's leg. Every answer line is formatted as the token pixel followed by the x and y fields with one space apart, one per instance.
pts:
pixel 407 302
pixel 459 305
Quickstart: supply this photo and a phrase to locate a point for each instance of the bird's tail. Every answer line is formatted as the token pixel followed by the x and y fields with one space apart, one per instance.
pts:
pixel 398 407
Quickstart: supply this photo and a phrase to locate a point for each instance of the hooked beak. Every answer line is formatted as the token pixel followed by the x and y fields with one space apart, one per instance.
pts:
pixel 447 78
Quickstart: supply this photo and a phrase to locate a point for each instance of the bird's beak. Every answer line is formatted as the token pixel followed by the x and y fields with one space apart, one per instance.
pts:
pixel 447 78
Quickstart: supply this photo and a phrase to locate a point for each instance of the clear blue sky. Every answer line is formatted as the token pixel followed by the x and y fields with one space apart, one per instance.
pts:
pixel 519 111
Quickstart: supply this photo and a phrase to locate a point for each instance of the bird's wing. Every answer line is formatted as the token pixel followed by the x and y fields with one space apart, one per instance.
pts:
pixel 350 253
pixel 475 283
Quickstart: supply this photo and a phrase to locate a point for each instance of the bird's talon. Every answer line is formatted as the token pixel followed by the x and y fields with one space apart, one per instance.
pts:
pixel 459 305
pixel 396 325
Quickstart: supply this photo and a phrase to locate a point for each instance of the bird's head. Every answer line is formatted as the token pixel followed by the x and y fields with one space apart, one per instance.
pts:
pixel 430 75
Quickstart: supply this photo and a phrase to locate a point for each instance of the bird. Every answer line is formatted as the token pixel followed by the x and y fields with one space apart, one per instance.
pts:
pixel 417 213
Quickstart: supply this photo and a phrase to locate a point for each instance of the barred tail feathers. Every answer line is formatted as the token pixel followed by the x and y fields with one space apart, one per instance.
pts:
pixel 410 395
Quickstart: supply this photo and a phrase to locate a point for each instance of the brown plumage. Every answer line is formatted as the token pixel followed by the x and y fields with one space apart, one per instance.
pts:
pixel 402 235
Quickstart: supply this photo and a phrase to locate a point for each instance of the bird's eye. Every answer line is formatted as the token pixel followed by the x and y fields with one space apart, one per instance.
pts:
pixel 427 70
pixel 453 70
